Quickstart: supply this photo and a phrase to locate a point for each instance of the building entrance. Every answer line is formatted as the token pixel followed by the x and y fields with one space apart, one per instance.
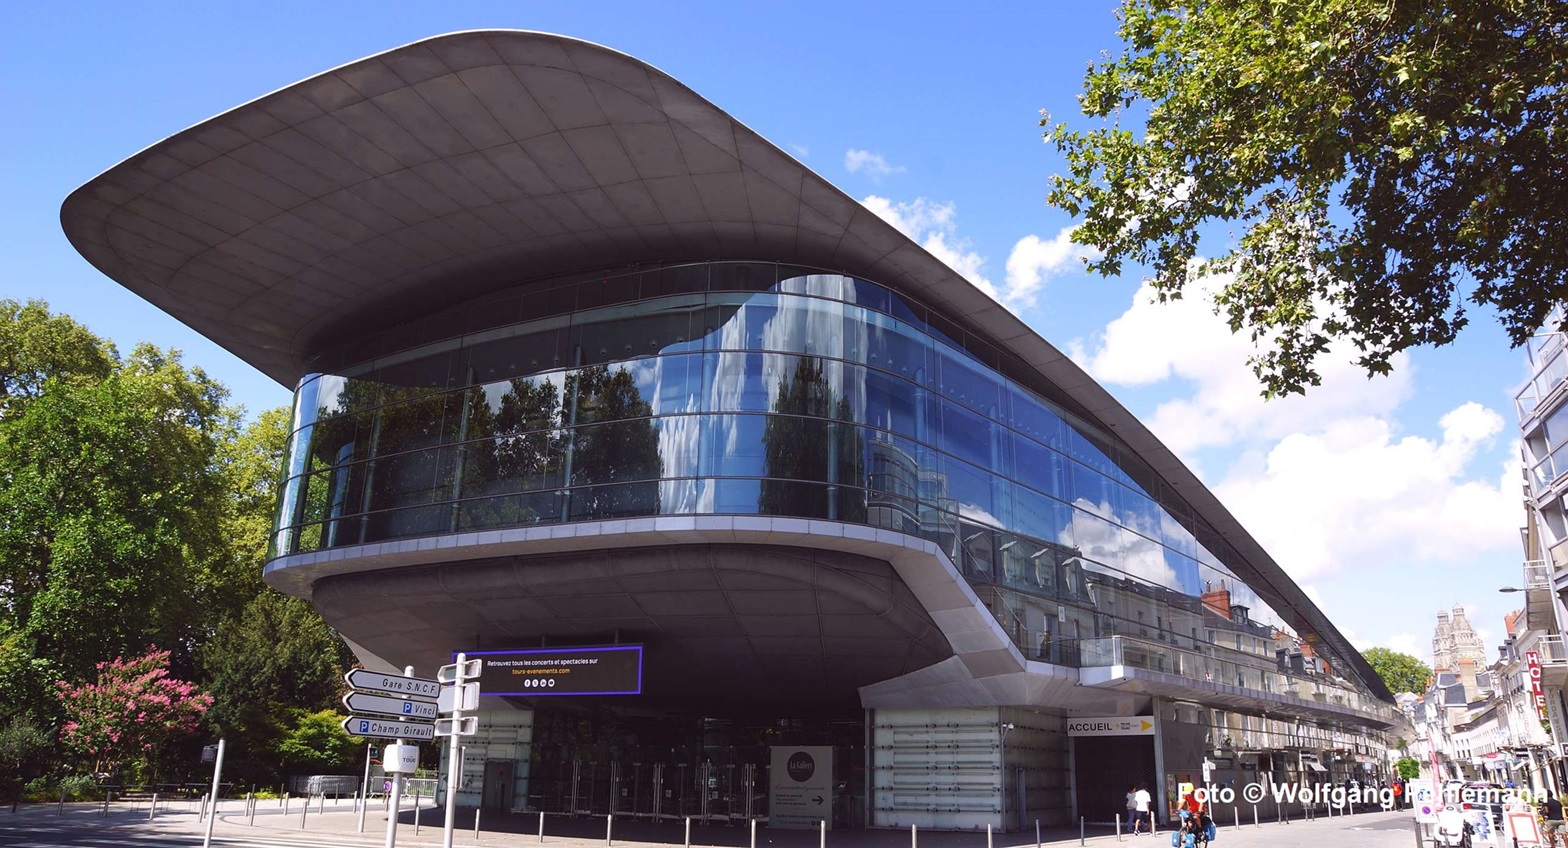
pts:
pixel 1105 768
pixel 594 762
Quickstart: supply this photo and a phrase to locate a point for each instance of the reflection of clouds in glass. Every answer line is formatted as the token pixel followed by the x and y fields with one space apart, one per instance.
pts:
pixel 979 514
pixel 1102 540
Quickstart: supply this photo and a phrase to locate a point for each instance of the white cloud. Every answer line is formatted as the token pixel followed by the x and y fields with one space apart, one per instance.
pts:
pixel 1332 484
pixel 1351 495
pixel 875 165
pixel 935 226
pixel 1184 339
pixel 1408 643
pixel 1034 260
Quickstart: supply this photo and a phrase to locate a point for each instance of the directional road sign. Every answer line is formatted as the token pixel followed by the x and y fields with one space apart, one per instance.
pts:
pixel 465 726
pixel 455 672
pixel 463 696
pixel 364 702
pixel 396 684
pixel 386 728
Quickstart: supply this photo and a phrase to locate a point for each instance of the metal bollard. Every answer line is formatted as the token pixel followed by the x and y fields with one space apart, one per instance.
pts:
pixel 106 796
pixel 152 809
pixel 304 810
pixel 476 825
pixel 988 836
pixel 1418 835
pixel 1080 831
pixel 823 829
pixel 1255 816
pixel 1235 816
pixel 250 816
pixel 1118 827
pixel 541 825
pixel 914 837
pixel 416 812
pixel 753 833
pixel 321 806
pixel 609 826
pixel 1036 833
pixel 60 808
pixel 688 832
pixel 285 803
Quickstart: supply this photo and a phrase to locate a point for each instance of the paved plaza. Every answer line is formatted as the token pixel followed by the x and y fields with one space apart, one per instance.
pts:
pixel 127 824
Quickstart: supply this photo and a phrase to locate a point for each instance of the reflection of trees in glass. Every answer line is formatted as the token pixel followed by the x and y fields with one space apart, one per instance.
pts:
pixel 811 437
pixel 614 441
pixel 524 441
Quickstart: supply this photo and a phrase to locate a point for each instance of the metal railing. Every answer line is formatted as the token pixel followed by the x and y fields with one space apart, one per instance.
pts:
pixel 1154 656
pixel 1537 574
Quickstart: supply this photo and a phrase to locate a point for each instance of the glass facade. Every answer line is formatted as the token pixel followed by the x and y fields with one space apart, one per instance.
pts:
pixel 754 389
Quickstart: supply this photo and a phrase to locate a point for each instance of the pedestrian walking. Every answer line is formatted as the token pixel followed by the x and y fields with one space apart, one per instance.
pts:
pixel 1141 808
pixel 1132 805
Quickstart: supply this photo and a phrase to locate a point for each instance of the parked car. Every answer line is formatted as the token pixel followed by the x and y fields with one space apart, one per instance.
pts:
pixel 1478 795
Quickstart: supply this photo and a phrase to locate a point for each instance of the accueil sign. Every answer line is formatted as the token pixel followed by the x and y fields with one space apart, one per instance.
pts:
pixel 1111 726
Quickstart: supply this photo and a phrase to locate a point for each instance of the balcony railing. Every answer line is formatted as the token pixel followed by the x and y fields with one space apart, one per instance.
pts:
pixel 1216 668
pixel 1551 650
pixel 1537 575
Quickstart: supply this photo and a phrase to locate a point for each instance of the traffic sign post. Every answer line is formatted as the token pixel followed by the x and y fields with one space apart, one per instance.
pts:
pixel 380 727
pixel 364 702
pixel 392 684
pixel 458 674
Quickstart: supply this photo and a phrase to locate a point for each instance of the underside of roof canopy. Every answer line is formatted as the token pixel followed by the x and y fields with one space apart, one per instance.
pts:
pixel 464 164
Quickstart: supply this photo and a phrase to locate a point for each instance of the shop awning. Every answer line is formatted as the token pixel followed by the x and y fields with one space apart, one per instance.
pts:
pixel 1316 767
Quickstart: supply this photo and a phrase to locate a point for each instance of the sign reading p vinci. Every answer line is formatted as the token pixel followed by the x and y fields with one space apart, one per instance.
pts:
pixel 609 670
pixel 1111 726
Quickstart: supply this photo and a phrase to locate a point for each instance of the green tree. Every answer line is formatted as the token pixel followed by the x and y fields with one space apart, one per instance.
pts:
pixel 1400 672
pixel 1408 769
pixel 36 346
pixel 315 742
pixel 275 660
pixel 1386 164
pixel 24 748
pixel 111 529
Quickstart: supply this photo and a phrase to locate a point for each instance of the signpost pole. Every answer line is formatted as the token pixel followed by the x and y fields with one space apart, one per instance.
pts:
pixel 364 791
pixel 451 752
pixel 217 774
pixel 397 789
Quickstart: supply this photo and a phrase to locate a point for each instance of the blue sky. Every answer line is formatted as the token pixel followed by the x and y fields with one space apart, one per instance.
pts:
pixel 1388 499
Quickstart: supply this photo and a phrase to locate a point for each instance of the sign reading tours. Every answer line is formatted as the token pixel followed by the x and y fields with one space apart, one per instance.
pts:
pixel 800 796
pixel 1111 726
pixel 610 670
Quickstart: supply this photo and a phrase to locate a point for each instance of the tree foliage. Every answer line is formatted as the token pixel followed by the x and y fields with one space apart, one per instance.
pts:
pixel 316 742
pixel 129 712
pixel 1409 769
pixel 1400 672
pixel 36 346
pixel 110 494
pixel 1386 163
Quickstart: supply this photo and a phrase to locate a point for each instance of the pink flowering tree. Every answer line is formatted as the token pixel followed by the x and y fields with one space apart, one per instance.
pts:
pixel 129 712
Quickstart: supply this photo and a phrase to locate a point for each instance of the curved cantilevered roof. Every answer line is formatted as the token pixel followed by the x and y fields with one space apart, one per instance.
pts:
pixel 456 166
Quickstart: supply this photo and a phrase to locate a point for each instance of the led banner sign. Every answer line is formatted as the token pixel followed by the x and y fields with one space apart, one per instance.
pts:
pixel 611 670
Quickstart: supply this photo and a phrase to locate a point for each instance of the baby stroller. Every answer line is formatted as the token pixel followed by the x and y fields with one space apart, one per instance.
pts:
pixel 1196 831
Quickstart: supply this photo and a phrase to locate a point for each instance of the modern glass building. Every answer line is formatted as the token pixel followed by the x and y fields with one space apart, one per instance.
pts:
pixel 582 361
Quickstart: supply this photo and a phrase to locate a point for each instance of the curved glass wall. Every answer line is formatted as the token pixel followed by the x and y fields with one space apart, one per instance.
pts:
pixel 747 389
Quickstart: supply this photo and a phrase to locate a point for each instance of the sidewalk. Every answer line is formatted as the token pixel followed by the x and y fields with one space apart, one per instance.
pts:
pixel 339 825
